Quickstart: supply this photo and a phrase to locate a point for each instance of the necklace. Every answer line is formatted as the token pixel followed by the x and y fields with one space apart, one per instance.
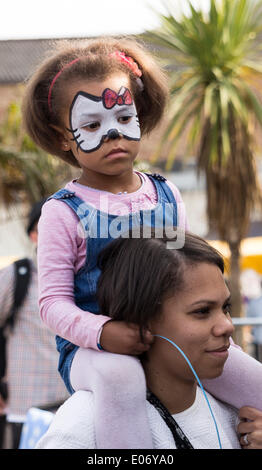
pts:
pixel 126 192
pixel 180 438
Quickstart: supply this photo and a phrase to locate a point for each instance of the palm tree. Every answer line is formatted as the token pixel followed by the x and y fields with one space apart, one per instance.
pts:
pixel 213 97
pixel 27 174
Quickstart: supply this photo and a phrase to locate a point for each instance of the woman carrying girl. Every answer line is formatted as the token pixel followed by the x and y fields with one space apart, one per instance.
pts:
pixel 89 104
pixel 182 298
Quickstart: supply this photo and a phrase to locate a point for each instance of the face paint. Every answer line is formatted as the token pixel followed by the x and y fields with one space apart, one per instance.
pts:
pixel 93 118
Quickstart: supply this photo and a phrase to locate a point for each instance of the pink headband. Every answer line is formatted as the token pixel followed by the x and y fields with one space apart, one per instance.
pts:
pixel 54 80
pixel 128 61
pixel 120 56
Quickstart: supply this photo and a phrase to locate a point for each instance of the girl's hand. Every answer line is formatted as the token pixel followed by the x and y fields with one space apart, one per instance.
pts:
pixel 124 338
pixel 250 428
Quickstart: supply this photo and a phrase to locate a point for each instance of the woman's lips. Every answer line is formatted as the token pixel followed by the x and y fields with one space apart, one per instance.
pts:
pixel 221 352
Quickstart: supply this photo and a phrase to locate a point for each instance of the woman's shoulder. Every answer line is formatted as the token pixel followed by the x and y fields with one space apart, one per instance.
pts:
pixel 81 401
pixel 225 407
pixel 226 414
pixel 73 424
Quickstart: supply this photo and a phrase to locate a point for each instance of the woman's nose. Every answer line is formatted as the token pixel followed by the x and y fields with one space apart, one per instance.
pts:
pixel 223 325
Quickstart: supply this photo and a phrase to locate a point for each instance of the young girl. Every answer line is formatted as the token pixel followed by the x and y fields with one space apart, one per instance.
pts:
pixel 89 104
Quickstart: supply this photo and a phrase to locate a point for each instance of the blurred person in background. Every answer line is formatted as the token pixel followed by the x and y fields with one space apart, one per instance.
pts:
pixel 254 309
pixel 29 374
pixel 251 287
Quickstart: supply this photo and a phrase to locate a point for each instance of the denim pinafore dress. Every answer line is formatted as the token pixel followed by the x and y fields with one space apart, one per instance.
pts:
pixel 100 228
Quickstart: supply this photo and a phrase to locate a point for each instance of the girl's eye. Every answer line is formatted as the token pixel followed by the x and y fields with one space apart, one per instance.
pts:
pixel 93 126
pixel 124 119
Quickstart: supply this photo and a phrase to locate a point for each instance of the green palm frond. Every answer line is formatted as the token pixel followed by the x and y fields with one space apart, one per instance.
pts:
pixel 27 173
pixel 214 62
pixel 216 52
pixel 28 177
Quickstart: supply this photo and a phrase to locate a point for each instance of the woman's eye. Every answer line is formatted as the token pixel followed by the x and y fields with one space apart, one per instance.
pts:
pixel 93 126
pixel 227 308
pixel 124 119
pixel 202 311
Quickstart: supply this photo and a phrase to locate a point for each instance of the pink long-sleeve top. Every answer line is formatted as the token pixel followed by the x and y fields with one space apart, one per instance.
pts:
pixel 62 253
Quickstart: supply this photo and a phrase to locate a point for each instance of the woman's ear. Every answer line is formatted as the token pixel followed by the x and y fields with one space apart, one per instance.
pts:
pixel 154 325
pixel 63 139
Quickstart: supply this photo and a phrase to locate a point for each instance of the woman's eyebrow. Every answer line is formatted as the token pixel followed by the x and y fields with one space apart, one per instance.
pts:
pixel 204 301
pixel 210 302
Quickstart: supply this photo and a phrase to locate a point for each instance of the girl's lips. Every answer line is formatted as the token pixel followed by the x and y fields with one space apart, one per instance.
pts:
pixel 117 152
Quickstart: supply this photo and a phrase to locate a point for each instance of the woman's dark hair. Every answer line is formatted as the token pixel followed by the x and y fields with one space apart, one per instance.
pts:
pixel 137 274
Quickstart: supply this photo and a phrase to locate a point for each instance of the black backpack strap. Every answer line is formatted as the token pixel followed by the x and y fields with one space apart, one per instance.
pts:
pixel 2 355
pixel 22 280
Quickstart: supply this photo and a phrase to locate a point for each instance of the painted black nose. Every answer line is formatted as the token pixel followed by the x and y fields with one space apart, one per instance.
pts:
pixel 113 134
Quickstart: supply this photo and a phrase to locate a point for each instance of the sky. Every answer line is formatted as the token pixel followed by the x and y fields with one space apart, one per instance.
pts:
pixel 27 19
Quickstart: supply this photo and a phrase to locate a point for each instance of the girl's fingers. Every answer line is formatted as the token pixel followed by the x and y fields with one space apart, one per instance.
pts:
pixel 140 348
pixel 148 337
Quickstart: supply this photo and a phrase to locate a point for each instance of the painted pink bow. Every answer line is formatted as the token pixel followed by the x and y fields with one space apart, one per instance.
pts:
pixel 111 98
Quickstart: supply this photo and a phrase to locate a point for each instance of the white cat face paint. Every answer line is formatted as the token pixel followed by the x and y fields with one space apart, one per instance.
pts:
pixel 95 118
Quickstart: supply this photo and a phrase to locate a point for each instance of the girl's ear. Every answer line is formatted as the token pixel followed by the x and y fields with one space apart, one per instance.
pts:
pixel 63 139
